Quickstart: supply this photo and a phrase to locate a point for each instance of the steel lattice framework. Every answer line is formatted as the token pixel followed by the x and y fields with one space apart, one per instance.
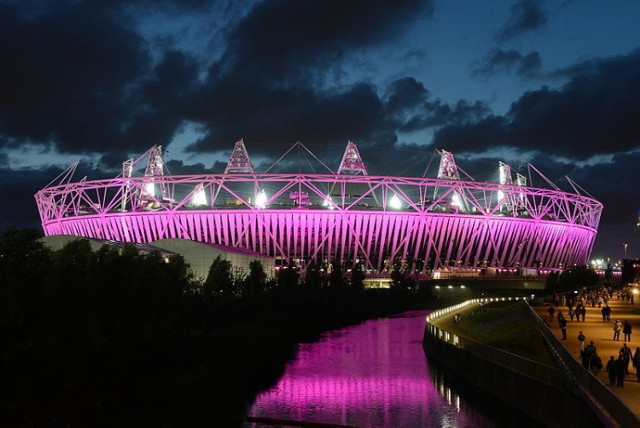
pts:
pixel 375 220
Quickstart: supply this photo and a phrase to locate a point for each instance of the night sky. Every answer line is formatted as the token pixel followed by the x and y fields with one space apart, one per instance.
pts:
pixel 552 83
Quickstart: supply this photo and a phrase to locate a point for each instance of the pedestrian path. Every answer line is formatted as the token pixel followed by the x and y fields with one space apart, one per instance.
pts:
pixel 601 333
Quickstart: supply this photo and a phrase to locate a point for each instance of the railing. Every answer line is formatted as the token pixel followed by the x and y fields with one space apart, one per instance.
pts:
pixel 583 381
pixel 542 372
pixel 577 378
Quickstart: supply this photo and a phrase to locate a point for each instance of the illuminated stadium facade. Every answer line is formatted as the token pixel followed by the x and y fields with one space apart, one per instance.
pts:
pixel 347 216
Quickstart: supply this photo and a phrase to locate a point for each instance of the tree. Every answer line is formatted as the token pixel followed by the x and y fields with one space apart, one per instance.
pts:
pixel 336 279
pixel 399 277
pixel 75 263
pixel 572 279
pixel 628 273
pixel 577 277
pixel 23 257
pixel 552 280
pixel 219 282
pixel 313 276
pixel 287 278
pixel 255 282
pixel 608 274
pixel 357 277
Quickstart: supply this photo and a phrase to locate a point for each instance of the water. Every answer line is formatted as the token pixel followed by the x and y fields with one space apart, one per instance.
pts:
pixel 376 375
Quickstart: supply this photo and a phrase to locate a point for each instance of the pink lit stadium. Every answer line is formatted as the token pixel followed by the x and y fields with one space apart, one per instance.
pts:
pixel 346 216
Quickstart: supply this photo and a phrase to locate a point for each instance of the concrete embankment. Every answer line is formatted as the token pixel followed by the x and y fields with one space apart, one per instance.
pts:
pixel 546 394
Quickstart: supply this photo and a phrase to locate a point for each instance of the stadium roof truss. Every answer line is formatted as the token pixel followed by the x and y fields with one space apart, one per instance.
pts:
pixel 353 218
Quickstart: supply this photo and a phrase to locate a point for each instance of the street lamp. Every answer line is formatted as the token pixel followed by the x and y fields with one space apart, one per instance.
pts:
pixel 625 250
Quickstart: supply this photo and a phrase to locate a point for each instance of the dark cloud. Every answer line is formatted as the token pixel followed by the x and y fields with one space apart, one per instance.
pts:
pixel 509 61
pixel 594 113
pixel 91 84
pixel 526 15
pixel 288 38
pixel 18 187
pixel 68 77
pixel 266 85
pixel 81 79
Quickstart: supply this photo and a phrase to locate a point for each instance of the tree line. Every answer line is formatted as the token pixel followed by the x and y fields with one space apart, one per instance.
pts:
pixel 123 337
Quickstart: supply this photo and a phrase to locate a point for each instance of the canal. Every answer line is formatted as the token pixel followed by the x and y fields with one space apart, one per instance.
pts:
pixel 376 374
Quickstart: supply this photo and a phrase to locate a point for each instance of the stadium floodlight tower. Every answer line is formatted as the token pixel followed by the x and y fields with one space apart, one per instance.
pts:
pixel 352 164
pixel 351 161
pixel 239 162
pixel 505 179
pixel 448 170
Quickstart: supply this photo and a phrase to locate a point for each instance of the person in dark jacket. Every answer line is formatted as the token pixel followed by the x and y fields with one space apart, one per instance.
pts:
pixel 626 330
pixel 611 371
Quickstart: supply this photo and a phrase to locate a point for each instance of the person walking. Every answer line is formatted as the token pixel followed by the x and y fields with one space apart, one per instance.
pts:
pixel 583 312
pixel 620 371
pixel 626 330
pixel 551 312
pixel 562 322
pixel 636 362
pixel 617 328
pixel 588 355
pixel 625 353
pixel 581 339
pixel 611 371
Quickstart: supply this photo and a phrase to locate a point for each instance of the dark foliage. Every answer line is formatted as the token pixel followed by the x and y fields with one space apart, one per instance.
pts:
pixel 123 338
pixel 573 278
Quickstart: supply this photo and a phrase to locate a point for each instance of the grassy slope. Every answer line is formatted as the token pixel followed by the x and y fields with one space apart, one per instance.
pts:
pixel 508 326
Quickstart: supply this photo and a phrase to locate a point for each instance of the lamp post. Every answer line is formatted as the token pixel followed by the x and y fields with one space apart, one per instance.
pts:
pixel 625 250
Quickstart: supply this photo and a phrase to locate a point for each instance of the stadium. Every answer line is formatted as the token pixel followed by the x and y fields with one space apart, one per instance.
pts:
pixel 345 216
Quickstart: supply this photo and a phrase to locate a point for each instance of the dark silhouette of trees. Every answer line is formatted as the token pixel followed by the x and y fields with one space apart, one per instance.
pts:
pixel 578 277
pixel 336 277
pixel 357 277
pixel 287 278
pixel 255 282
pixel 313 277
pixel 219 282
pixel 573 278
pixel 627 272
pixel 122 337
pixel 551 283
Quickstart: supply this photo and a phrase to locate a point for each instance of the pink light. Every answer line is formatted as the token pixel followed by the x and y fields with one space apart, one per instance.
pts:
pixel 351 222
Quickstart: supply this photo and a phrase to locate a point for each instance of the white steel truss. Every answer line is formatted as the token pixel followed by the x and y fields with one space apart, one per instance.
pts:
pixel 550 228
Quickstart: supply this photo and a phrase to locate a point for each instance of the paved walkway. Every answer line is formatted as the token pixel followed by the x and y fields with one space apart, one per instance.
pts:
pixel 601 333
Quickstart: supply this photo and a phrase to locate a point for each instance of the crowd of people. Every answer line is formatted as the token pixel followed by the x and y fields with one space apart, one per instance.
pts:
pixel 575 305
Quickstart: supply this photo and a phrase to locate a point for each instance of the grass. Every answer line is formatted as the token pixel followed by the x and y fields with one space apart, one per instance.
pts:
pixel 510 327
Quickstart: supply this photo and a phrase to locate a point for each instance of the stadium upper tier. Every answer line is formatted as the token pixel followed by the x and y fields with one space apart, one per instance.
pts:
pixel 347 216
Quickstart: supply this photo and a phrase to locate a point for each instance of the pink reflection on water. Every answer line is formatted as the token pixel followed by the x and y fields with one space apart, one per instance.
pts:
pixel 374 375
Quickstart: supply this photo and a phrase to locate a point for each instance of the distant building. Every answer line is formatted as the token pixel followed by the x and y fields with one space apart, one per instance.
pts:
pixel 198 255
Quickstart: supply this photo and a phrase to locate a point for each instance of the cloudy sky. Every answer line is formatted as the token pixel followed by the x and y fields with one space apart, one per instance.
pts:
pixel 551 83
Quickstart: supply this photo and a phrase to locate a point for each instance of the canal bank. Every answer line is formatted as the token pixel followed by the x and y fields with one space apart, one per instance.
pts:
pixel 546 393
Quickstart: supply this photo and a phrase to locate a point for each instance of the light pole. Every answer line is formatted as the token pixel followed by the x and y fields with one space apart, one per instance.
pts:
pixel 625 250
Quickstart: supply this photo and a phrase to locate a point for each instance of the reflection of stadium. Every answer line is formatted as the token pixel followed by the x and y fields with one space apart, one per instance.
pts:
pixel 347 216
